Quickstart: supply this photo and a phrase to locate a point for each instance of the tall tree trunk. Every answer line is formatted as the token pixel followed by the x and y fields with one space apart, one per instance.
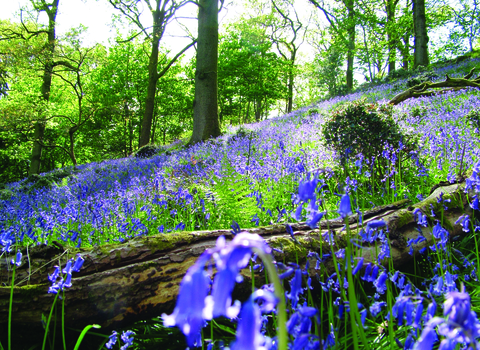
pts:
pixel 290 84
pixel 205 109
pixel 158 18
pixel 420 55
pixel 71 133
pixel 351 43
pixel 392 47
pixel 35 160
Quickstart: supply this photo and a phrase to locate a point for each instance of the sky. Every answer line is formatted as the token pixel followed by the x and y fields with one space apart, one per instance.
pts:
pixel 97 17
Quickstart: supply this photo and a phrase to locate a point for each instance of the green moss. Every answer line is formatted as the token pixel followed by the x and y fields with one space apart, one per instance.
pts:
pixel 28 291
pixel 403 217
pixel 169 241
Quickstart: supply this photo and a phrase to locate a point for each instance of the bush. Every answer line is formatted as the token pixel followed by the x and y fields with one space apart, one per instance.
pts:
pixel 360 127
pixel 146 151
pixel 425 75
pixel 397 74
pixel 473 117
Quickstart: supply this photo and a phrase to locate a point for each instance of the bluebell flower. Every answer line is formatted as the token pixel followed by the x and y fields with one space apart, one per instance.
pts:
pixel 306 190
pixel 358 266
pixel 380 283
pixel 78 263
pixel 315 218
pixel 18 259
pixel 112 340
pixel 295 288
pixel 375 224
pixel 345 208
pixel 249 335
pixel 376 307
pixel 127 338
pixel 188 312
pixel 235 228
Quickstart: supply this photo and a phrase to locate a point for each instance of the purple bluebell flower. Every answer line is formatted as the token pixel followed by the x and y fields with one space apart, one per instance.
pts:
pixel 315 218
pixel 249 335
pixel 357 267
pixel 78 263
pixel 295 288
pixel 127 338
pixel 18 259
pixel 376 307
pixel 345 208
pixel 306 190
pixel 188 312
pixel 375 224
pixel 112 340
pixel 235 228
pixel 380 282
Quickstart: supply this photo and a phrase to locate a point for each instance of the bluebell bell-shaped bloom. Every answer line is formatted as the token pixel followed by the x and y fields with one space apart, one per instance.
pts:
pixel 376 307
pixel 380 283
pixel 53 277
pixel 475 205
pixel 295 288
pixel 315 217
pixel 18 259
pixel 418 315
pixel 78 263
pixel 427 338
pixel 249 335
pixel 112 340
pixel 127 338
pixel 306 190
pixel 235 228
pixel 298 212
pixel 375 224
pixel 464 221
pixel 420 217
pixel 345 208
pixel 188 312
pixel 357 267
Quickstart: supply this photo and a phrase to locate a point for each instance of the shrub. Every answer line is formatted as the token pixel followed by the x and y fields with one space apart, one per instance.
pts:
pixel 360 127
pixel 146 151
pixel 473 117
pixel 425 75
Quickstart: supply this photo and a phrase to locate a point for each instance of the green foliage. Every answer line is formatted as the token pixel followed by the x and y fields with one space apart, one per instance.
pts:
pixel 146 151
pixel 474 118
pixel 424 76
pixel 360 127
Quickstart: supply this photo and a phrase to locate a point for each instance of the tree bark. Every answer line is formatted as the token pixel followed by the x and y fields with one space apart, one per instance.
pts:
pixel 139 279
pixel 158 19
pixel 35 160
pixel 351 43
pixel 420 55
pixel 205 108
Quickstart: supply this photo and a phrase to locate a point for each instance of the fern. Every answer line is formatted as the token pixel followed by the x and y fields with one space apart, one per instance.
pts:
pixel 233 201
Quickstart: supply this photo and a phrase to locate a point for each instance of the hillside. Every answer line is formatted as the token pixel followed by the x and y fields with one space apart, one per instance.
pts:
pixel 248 175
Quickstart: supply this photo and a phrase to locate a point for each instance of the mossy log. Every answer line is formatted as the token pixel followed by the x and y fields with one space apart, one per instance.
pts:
pixel 140 278
pixel 451 84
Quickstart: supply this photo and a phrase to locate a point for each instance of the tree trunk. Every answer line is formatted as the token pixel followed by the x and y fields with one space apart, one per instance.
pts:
pixel 420 54
pixel 35 160
pixel 71 150
pixel 205 108
pixel 158 19
pixel 391 37
pixel 351 43
pixel 139 279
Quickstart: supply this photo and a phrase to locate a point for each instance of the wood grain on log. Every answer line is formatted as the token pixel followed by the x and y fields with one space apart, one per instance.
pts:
pixel 139 279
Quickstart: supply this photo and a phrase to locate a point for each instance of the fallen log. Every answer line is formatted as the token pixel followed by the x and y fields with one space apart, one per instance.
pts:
pixel 451 84
pixel 139 279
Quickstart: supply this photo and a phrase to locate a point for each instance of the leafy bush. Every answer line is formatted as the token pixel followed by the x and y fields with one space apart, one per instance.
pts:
pixel 397 74
pixel 146 151
pixel 425 75
pixel 360 127
pixel 474 118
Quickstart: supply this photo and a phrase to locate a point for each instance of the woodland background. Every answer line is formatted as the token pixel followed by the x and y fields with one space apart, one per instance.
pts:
pixel 65 103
